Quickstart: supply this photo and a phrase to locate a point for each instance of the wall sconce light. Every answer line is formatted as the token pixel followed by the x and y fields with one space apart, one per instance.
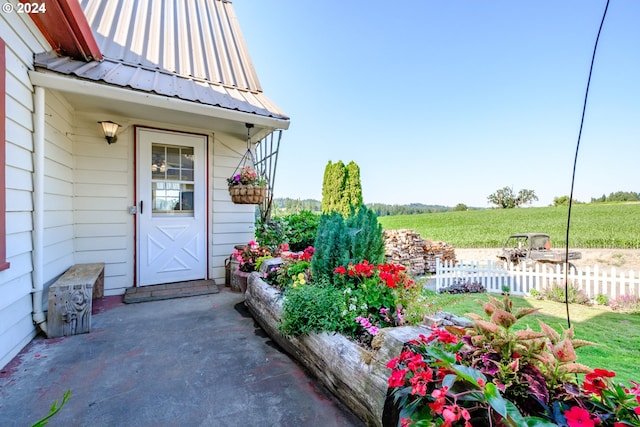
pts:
pixel 109 128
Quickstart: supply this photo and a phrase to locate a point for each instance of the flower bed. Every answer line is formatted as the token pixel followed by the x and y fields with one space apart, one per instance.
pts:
pixel 358 377
pixel 432 380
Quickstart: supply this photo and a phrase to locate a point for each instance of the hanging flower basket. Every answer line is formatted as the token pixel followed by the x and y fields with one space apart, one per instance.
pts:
pixel 248 194
pixel 247 187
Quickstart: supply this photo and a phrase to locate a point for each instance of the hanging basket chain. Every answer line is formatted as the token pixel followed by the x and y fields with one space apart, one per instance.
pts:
pixel 247 185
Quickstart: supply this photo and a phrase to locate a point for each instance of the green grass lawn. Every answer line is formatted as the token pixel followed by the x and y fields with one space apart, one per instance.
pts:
pixel 617 335
pixel 594 225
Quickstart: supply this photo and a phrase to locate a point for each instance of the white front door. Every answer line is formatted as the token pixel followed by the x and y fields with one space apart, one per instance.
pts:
pixel 171 192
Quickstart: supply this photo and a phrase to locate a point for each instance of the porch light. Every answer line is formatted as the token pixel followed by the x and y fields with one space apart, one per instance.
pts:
pixel 110 128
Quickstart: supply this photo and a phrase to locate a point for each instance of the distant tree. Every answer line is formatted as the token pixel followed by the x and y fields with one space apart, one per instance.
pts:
pixel 505 198
pixel 563 201
pixel 461 207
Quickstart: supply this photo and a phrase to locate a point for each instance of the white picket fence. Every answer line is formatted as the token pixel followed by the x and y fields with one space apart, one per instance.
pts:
pixel 521 280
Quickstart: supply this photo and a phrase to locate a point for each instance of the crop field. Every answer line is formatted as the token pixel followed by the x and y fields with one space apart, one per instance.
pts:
pixel 593 225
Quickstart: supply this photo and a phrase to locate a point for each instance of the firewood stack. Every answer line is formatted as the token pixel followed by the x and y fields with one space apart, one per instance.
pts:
pixel 406 247
pixel 433 251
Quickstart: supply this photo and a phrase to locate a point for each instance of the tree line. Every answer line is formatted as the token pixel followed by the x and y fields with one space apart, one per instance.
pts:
pixel 286 205
pixel 618 196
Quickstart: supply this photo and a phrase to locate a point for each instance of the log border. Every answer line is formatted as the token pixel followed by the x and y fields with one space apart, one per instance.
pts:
pixel 356 376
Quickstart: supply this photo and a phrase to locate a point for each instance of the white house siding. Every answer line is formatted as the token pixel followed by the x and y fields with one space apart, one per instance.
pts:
pixel 103 192
pixel 232 224
pixel 58 189
pixel 16 326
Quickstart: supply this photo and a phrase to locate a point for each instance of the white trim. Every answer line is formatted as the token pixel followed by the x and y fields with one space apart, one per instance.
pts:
pixel 38 207
pixel 192 227
pixel 77 86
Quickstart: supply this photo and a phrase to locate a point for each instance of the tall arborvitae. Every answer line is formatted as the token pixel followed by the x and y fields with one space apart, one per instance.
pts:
pixel 341 188
pixel 352 194
pixel 333 186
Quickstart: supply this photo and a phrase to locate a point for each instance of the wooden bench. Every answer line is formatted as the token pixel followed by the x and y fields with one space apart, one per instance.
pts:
pixel 70 299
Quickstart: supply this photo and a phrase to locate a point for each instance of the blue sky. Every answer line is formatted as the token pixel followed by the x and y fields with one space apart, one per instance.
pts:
pixel 444 102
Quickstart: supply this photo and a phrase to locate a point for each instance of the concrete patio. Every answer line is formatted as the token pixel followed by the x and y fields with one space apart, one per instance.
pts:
pixel 197 361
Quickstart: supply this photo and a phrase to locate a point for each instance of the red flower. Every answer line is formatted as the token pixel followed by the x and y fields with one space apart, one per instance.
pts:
pixel 397 378
pixel 600 373
pixel 340 270
pixel 579 417
pixel 391 364
pixel 364 268
pixel 416 362
pixel 437 406
pixel 595 381
pixel 419 382
pixel 388 279
pixel 439 395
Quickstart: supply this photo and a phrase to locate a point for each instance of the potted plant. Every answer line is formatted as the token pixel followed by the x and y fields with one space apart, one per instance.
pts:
pixel 248 259
pixel 247 187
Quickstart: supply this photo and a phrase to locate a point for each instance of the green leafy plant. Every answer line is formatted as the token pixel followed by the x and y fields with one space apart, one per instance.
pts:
pixel 273 232
pixel 304 227
pixel 602 299
pixel 55 408
pixel 298 230
pixel 310 308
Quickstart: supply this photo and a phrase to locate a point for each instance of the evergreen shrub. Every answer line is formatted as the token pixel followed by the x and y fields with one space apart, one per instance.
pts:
pixel 341 241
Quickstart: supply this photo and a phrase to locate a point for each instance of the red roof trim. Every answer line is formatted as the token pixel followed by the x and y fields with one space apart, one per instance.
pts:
pixel 66 29
pixel 3 142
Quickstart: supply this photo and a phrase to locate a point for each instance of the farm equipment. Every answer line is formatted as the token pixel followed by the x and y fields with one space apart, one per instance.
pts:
pixel 531 248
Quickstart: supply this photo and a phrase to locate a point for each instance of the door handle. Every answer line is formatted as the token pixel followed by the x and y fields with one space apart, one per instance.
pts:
pixel 141 207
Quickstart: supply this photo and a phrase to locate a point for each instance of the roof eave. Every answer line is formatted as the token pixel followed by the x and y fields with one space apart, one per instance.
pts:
pixel 117 94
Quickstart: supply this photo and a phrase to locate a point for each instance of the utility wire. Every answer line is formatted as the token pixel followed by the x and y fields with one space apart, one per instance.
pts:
pixel 575 161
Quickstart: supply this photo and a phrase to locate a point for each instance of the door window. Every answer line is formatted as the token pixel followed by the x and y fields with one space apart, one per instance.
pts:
pixel 172 180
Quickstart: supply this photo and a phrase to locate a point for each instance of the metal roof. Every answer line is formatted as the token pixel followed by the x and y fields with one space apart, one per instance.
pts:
pixel 188 49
